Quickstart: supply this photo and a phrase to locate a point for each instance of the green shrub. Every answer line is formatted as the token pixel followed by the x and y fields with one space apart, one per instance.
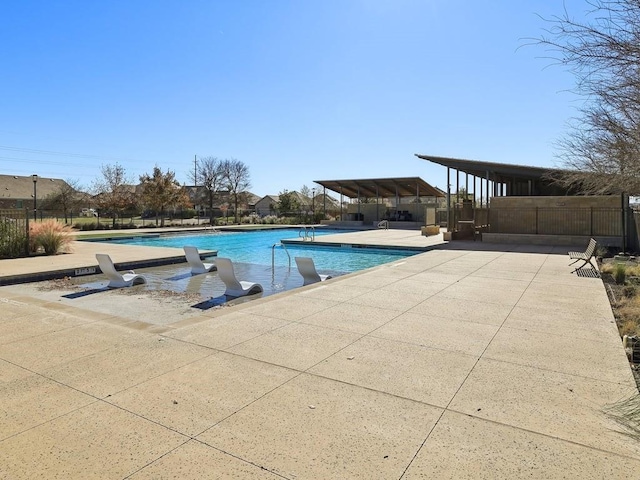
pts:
pixel 188 213
pixel 620 273
pixel 13 239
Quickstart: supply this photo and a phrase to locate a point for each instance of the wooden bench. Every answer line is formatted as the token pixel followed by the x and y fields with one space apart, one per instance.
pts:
pixel 585 256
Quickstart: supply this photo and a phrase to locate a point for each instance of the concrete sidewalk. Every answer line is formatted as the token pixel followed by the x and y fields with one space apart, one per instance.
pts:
pixel 467 361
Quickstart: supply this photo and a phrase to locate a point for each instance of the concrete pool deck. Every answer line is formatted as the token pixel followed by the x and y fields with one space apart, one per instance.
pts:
pixel 470 360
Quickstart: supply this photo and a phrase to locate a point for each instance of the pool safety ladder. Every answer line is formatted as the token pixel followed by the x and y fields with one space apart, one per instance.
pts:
pixel 384 224
pixel 307 233
pixel 273 255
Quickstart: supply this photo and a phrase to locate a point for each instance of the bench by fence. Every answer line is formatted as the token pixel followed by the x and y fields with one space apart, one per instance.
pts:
pixel 585 256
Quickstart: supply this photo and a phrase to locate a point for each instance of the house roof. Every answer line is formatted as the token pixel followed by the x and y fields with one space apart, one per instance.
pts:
pixel 382 187
pixel 21 188
pixel 273 198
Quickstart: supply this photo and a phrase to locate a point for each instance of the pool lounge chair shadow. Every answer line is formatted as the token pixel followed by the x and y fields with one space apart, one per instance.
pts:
pixel 177 278
pixel 85 293
pixel 211 303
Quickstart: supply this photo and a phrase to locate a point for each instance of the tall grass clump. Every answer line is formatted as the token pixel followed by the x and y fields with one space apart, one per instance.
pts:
pixel 627 413
pixel 13 238
pixel 50 235
pixel 620 273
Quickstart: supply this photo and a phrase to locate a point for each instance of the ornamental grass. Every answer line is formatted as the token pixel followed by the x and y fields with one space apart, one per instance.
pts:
pixel 51 236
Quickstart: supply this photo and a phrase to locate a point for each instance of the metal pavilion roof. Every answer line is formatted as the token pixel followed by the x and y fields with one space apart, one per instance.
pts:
pixel 496 171
pixel 382 187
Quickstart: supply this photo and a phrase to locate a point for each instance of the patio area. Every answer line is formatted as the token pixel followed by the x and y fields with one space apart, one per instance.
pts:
pixel 468 361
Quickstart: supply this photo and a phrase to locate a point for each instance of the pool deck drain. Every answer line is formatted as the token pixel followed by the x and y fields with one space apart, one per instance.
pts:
pixel 469 361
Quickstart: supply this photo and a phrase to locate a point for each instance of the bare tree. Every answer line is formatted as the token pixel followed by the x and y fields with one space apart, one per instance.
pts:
pixel 65 198
pixel 162 190
pixel 603 53
pixel 210 176
pixel 305 191
pixel 237 180
pixel 114 191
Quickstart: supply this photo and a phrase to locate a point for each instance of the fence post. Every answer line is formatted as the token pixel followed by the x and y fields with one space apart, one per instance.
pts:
pixel 591 221
pixel 624 222
pixel 26 244
pixel 536 220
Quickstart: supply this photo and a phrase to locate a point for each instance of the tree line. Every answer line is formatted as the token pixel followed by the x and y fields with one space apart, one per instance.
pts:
pixel 115 193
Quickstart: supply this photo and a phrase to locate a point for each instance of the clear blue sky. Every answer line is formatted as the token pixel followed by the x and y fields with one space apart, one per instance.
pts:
pixel 299 90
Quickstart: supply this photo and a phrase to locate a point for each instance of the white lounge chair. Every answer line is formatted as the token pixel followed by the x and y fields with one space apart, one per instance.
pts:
pixel 307 269
pixel 235 288
pixel 117 279
pixel 197 266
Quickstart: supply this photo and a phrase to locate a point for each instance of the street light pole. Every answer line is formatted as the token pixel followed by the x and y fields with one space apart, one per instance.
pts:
pixel 35 196
pixel 313 203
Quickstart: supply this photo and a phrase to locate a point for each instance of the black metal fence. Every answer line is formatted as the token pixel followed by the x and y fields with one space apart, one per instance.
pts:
pixel 14 233
pixel 557 221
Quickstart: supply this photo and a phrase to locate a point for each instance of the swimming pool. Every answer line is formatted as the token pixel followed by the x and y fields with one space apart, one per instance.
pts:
pixel 252 253
pixel 256 247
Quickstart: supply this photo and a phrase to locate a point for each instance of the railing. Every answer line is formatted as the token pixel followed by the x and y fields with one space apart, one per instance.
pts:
pixel 591 221
pixel 307 233
pixel 14 233
pixel 384 224
pixel 273 257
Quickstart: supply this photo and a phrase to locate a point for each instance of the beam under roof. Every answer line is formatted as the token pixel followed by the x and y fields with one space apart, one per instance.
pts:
pixel 382 187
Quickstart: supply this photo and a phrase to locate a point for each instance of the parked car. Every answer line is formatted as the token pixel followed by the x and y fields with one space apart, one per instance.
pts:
pixel 88 212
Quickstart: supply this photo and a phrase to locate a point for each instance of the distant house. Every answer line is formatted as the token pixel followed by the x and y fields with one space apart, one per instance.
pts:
pixel 223 200
pixel 267 205
pixel 17 191
pixel 320 200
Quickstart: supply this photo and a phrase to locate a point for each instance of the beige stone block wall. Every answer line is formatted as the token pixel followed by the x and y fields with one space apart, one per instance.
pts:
pixel 599 201
pixel 592 215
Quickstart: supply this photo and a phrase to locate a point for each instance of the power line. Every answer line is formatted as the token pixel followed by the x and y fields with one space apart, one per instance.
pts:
pixel 42 161
pixel 52 152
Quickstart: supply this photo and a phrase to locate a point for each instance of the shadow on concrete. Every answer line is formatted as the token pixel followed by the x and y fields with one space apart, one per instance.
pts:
pixel 211 303
pixel 85 293
pixel 503 247
pixel 588 272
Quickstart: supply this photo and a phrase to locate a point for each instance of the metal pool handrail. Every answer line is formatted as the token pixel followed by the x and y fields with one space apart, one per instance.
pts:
pixel 273 258
pixel 307 232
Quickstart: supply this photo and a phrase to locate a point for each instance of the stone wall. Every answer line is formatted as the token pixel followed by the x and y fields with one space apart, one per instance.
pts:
pixel 577 216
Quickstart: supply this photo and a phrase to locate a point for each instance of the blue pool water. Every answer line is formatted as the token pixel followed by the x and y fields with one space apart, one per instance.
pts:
pixel 256 248
pixel 251 253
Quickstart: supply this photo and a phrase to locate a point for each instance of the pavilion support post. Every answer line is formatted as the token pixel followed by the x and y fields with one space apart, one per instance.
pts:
pixel 341 202
pixel 480 191
pixel 417 202
pixel 377 205
pixel 324 201
pixel 455 216
pixel 448 199
pixel 358 203
pixel 488 188
pixel 397 204
pixel 466 185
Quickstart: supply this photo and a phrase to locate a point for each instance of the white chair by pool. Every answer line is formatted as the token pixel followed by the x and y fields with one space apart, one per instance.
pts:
pixel 307 269
pixel 117 279
pixel 235 288
pixel 195 262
